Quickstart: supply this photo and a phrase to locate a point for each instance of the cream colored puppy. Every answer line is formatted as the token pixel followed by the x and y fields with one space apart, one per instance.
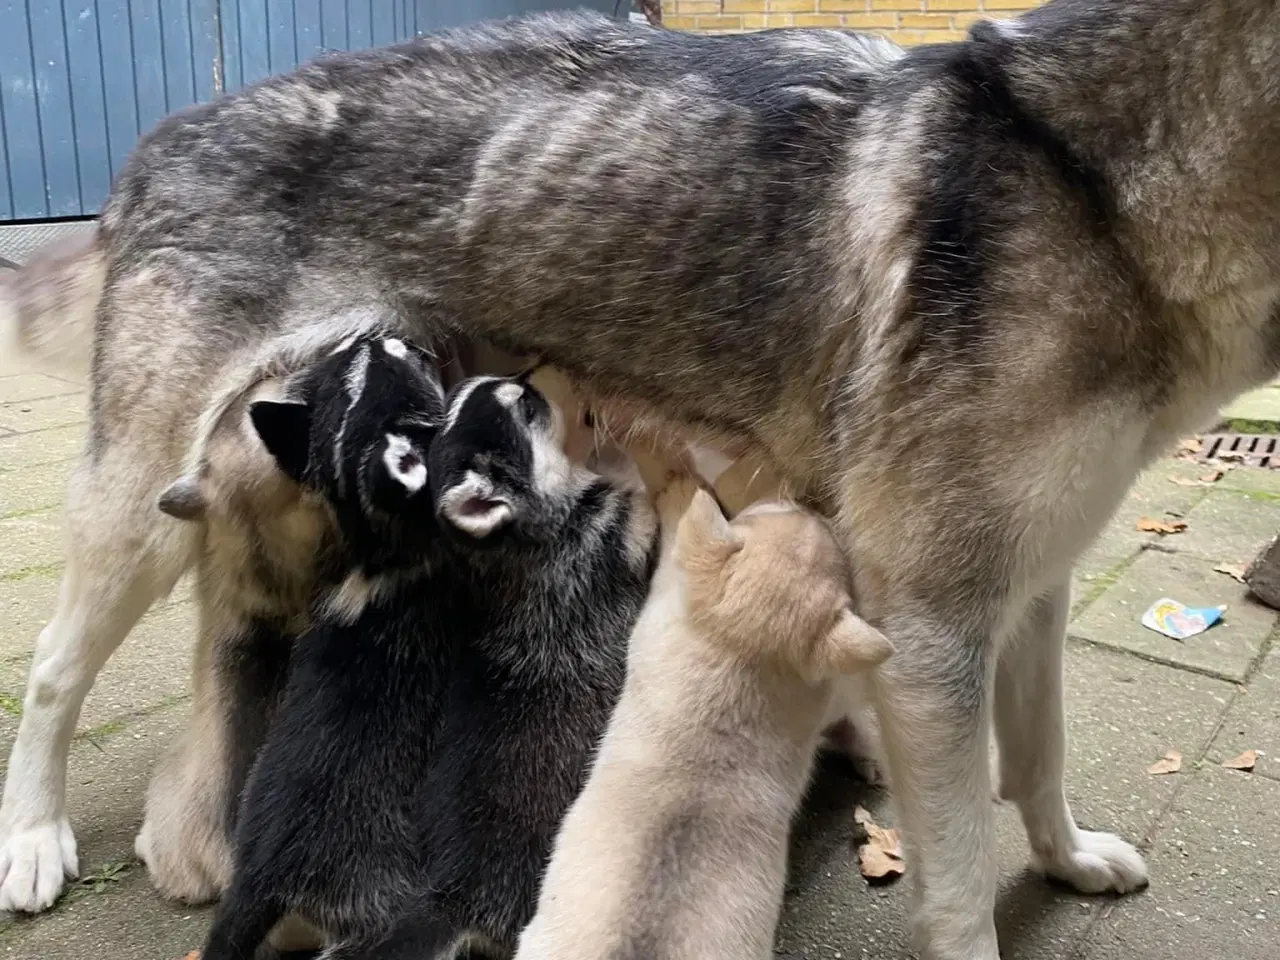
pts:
pixel 676 848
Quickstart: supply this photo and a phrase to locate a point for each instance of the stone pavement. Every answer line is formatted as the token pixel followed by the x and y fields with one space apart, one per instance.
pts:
pixel 1212 834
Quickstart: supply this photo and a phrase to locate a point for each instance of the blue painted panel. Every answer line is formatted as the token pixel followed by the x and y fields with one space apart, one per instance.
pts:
pixel 281 42
pixel 333 22
pixel 53 100
pixel 88 101
pixel 21 115
pixel 254 51
pixel 359 24
pixel 175 38
pixel 308 28
pixel 206 64
pixel 81 80
pixel 148 63
pixel 383 21
pixel 115 34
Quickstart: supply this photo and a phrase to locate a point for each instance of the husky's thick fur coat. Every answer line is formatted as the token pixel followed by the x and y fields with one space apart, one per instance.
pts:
pixel 442 709
pixel 897 274
pixel 677 847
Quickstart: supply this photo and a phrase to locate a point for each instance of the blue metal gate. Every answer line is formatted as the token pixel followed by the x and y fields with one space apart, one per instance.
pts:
pixel 81 80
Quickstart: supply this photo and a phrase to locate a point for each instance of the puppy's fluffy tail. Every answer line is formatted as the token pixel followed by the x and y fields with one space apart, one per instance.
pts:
pixel 47 307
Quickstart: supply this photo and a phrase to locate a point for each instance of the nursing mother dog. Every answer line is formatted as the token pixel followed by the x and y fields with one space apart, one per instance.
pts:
pixel 961 295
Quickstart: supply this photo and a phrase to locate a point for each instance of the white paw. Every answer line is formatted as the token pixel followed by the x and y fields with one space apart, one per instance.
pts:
pixel 35 863
pixel 1100 863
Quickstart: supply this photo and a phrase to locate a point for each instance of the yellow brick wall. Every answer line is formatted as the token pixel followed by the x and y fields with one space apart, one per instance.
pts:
pixel 905 21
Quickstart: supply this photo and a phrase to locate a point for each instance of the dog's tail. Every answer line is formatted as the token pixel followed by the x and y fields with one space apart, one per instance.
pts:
pixel 47 307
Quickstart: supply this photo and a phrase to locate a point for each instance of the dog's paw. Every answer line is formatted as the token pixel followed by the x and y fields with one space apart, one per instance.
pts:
pixel 35 863
pixel 180 869
pixel 1100 863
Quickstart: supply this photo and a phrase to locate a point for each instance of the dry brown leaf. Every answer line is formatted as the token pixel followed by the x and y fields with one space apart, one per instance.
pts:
pixel 1150 525
pixel 1204 480
pixel 1188 445
pixel 1213 476
pixel 1233 570
pixel 1171 763
pixel 1246 761
pixel 880 858
pixel 193 955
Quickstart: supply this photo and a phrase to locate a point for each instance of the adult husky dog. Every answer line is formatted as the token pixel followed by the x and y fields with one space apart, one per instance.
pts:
pixel 963 294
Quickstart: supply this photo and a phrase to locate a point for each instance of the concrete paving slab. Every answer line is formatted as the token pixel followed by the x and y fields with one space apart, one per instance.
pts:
pixel 26 604
pixel 37 386
pixel 1153 494
pixel 1251 480
pixel 1262 406
pixel 1229 527
pixel 1226 650
pixel 1253 723
pixel 35 488
pixel 24 416
pixel 152 668
pixel 33 541
pixel 126 920
pixel 1123 713
pixel 23 450
pixel 1215 879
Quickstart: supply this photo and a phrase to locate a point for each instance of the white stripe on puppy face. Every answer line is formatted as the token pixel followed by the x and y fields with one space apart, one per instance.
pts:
pixel 395 347
pixel 404 462
pixel 509 394
pixel 357 373
pixel 461 398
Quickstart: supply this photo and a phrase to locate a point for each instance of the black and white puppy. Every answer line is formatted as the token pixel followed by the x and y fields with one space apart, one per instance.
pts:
pixel 555 562
pixel 329 823
pixel 485 681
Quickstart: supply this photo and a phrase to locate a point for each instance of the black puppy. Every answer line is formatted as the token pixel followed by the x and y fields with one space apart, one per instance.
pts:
pixel 329 825
pixel 502 663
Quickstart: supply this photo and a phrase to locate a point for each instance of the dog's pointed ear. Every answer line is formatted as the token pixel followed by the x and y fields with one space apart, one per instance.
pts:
pixel 285 430
pixel 704 518
pixel 850 646
pixel 475 508
pixel 183 499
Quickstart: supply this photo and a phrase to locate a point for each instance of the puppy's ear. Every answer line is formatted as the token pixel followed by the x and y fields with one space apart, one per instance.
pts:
pixel 285 430
pixel 850 646
pixel 474 507
pixel 704 520
pixel 402 467
pixel 183 499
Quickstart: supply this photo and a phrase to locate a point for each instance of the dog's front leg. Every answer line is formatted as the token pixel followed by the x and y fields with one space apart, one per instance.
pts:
pixel 1031 732
pixel 931 697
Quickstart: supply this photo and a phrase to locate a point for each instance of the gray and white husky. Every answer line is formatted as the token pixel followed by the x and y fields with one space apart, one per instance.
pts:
pixel 960 294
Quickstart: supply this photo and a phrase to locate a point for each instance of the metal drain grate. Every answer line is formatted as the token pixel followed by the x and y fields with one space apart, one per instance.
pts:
pixel 1249 449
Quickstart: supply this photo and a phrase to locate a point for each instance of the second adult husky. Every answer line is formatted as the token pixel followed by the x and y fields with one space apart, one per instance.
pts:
pixel 963 294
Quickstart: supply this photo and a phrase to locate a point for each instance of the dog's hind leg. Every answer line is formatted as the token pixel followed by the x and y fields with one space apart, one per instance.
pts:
pixel 931 697
pixel 423 936
pixel 194 796
pixel 1031 733
pixel 118 563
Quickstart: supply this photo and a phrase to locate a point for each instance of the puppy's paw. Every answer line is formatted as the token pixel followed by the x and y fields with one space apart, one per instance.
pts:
pixel 1099 863
pixel 189 866
pixel 35 862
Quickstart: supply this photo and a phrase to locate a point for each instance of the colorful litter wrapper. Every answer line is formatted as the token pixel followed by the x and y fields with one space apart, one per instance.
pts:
pixel 1179 621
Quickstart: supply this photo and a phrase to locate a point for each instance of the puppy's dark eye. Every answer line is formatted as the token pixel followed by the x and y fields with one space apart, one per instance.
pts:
pixel 588 419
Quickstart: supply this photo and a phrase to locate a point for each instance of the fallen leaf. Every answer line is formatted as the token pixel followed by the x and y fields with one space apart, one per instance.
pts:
pixel 1230 456
pixel 193 955
pixel 1189 445
pixel 1171 763
pixel 1246 761
pixel 880 858
pixel 1149 525
pixel 1233 570
pixel 1204 480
